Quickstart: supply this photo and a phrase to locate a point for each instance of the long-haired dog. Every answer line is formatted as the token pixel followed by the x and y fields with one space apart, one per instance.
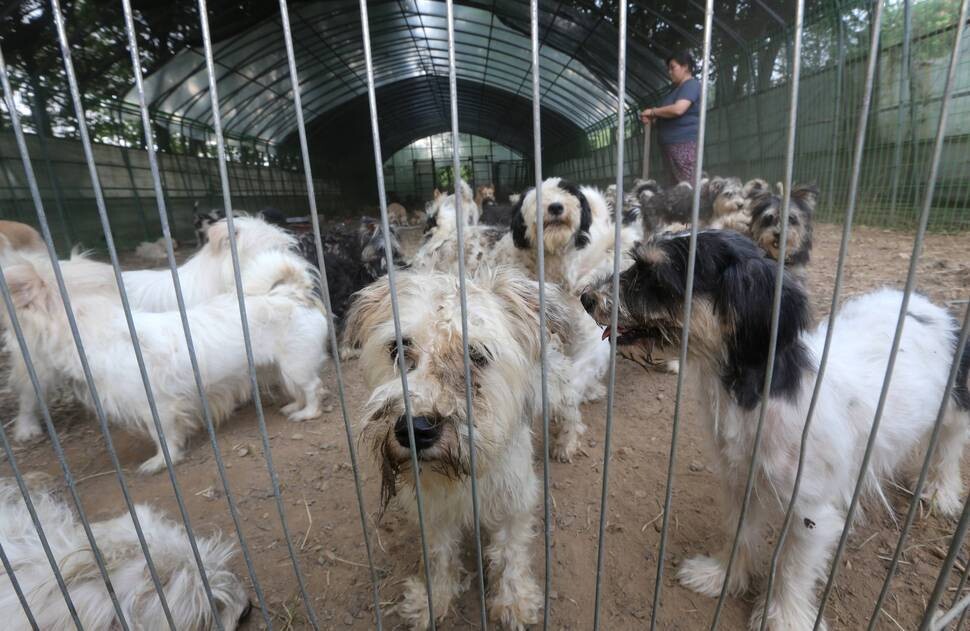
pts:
pixel 766 225
pixel 442 210
pixel 484 195
pixel 729 331
pixel 504 347
pixel 719 197
pixel 154 251
pixel 288 332
pixel 168 545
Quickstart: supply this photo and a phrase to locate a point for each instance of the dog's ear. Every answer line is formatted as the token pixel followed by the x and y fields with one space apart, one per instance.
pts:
pixel 218 236
pixel 519 229
pixel 28 290
pixel 715 186
pixel 585 221
pixel 368 307
pixel 746 296
pixel 806 196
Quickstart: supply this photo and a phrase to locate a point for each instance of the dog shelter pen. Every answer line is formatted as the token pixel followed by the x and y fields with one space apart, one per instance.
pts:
pixel 870 100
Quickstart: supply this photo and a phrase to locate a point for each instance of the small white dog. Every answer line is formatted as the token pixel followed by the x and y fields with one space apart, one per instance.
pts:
pixel 168 545
pixel 288 326
pixel 728 351
pixel 504 350
pixel 154 251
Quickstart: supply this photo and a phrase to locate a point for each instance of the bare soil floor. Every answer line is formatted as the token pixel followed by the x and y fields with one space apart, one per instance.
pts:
pixel 313 464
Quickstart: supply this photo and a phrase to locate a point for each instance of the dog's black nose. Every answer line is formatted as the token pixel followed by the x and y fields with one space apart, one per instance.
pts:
pixel 589 302
pixel 556 209
pixel 426 433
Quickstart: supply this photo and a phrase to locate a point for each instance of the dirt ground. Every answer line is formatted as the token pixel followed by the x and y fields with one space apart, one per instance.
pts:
pixel 312 461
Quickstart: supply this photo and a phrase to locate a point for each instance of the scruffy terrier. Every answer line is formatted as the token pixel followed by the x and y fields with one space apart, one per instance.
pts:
pixel 170 551
pixel 470 210
pixel 719 197
pixel 504 347
pixel 766 226
pixel 728 354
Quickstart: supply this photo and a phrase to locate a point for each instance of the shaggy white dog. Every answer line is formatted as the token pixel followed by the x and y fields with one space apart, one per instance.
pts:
pixel 728 351
pixel 286 320
pixel 504 351
pixel 168 545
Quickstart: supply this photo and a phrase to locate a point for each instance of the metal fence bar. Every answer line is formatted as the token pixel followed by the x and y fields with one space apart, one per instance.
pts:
pixel 614 309
pixel 543 340
pixel 180 301
pixel 25 492
pixel 247 340
pixel 49 242
pixel 688 307
pixel 962 604
pixel 796 65
pixel 924 471
pixel 126 307
pixel 951 557
pixel 325 293
pixel 908 290
pixel 858 151
pixel 460 226
pixel 16 587
pixel 395 308
pixel 904 70
pixel 958 608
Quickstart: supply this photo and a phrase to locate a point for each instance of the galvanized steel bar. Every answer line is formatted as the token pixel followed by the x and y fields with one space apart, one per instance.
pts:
pixel 129 320
pixel 49 242
pixel 962 604
pixel 796 65
pixel 325 293
pixel 858 151
pixel 180 301
pixel 615 304
pixel 905 68
pixel 943 578
pixel 247 340
pixel 395 308
pixel 543 340
pixel 924 471
pixel 907 292
pixel 688 308
pixel 460 237
pixel 958 608
pixel 38 527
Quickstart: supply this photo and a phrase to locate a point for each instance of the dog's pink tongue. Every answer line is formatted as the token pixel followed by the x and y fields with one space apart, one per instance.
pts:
pixel 606 333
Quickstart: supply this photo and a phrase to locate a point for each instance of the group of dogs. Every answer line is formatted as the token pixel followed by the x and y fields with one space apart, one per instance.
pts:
pixel 444 427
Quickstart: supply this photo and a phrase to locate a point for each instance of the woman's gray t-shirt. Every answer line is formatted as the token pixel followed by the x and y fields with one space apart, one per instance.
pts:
pixel 674 131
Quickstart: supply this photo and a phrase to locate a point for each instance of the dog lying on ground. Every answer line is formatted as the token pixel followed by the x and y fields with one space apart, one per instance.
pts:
pixel 170 551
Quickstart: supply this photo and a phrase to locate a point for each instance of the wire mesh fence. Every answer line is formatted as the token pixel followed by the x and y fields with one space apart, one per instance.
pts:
pixel 503 596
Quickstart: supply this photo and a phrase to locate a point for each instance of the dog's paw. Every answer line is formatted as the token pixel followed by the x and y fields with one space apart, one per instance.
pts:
pixel 516 604
pixel 304 414
pixel 290 408
pixel 673 366
pixel 413 607
pixel 785 615
pixel 705 575
pixel 946 499
pixel 26 430
pixel 153 465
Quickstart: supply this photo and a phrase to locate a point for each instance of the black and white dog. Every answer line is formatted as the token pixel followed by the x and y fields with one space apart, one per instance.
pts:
pixel 729 331
pixel 720 197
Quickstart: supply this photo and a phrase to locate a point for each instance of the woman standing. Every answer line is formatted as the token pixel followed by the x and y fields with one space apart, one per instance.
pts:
pixel 677 118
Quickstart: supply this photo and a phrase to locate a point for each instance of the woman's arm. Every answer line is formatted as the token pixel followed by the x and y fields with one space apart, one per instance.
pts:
pixel 673 110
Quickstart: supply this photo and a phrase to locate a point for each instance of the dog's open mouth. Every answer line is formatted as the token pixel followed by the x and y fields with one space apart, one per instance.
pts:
pixel 625 336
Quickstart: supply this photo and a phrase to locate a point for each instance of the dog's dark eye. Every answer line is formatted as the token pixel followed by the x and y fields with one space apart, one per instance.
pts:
pixel 479 356
pixel 408 358
pixel 793 220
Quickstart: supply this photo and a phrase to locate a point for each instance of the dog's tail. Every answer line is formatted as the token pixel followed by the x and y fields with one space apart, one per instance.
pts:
pixel 279 273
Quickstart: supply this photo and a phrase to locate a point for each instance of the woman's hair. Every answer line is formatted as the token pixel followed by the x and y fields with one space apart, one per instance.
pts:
pixel 683 58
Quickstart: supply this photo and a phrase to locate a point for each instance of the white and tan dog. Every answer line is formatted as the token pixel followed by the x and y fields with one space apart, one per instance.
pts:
pixel 503 343
pixel 171 554
pixel 286 320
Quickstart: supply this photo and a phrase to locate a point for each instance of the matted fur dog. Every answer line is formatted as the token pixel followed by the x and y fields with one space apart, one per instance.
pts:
pixel 504 350
pixel 729 330
pixel 168 545
pixel 286 319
